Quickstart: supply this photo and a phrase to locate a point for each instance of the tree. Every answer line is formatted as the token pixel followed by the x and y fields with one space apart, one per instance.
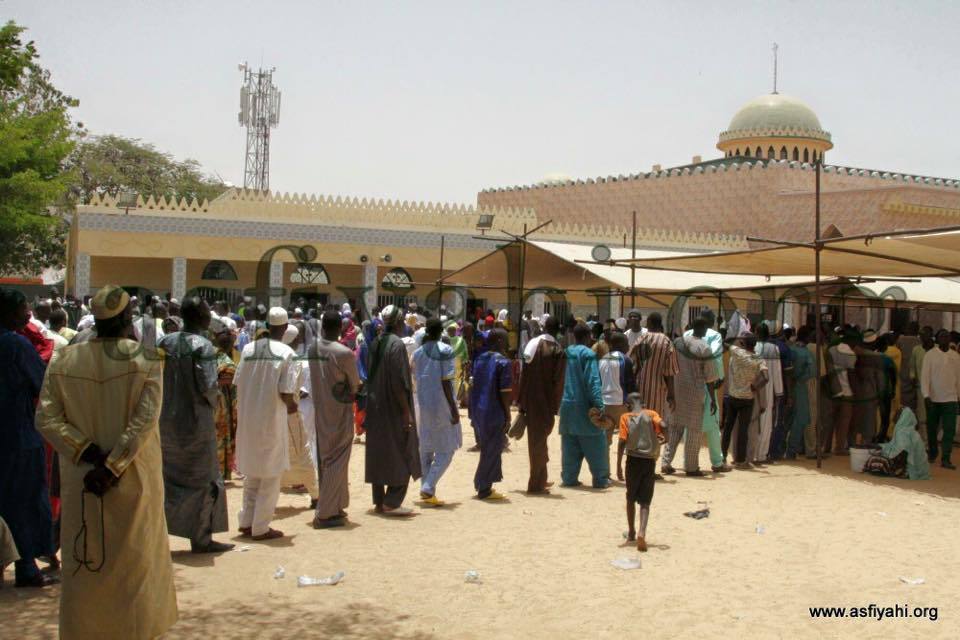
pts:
pixel 36 136
pixel 115 165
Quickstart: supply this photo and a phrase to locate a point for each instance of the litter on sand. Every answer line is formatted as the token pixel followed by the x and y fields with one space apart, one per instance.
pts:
pixel 912 580
pixel 471 576
pixel 760 529
pixel 307 581
pixel 882 514
pixel 245 547
pixel 279 573
pixel 699 514
pixel 626 563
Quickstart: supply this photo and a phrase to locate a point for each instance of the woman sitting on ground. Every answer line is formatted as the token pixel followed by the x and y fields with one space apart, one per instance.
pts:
pixel 905 454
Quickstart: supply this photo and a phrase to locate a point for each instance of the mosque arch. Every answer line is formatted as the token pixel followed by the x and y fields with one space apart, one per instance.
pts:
pixel 806 155
pixel 218 270
pixel 783 152
pixel 747 152
pixel 772 153
pixel 796 153
pixel 759 152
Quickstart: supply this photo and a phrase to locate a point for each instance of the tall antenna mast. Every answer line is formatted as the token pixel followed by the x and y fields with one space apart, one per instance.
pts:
pixel 775 47
pixel 259 112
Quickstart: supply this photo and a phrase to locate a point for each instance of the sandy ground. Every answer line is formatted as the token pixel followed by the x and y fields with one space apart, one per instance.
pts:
pixel 830 538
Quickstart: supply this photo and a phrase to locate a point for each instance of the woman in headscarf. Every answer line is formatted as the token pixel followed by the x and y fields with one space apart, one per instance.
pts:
pixel 905 454
pixel 370 330
pixel 348 334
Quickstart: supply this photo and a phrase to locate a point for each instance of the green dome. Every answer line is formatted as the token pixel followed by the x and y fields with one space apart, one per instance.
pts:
pixel 775 114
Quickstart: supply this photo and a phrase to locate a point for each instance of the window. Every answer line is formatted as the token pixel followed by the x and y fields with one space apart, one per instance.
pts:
pixel 783 153
pixel 772 153
pixel 559 310
pixel 796 153
pixel 397 280
pixel 806 155
pixel 218 270
pixel 759 152
pixel 747 152
pixel 309 273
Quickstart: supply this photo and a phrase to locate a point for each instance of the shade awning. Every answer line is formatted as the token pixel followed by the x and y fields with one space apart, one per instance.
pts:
pixel 910 256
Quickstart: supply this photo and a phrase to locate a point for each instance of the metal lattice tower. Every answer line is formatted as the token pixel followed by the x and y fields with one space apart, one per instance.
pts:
pixel 259 112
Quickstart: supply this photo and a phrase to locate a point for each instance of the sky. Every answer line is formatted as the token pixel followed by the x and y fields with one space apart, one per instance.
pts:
pixel 435 101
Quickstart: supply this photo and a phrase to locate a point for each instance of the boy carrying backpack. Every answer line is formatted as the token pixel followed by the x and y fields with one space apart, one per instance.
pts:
pixel 641 434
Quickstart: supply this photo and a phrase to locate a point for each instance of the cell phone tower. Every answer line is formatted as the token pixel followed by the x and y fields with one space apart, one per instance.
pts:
pixel 259 112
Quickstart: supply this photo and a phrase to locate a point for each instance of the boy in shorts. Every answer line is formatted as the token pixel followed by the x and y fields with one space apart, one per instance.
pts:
pixel 641 463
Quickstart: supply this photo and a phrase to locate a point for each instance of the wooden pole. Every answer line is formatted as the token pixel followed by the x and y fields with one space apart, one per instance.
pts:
pixel 633 268
pixel 440 296
pixel 819 344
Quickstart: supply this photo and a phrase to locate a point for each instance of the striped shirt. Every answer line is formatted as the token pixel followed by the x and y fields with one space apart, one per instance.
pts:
pixel 654 358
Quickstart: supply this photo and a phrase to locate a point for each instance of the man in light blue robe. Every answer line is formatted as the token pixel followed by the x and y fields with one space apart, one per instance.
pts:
pixel 711 421
pixel 438 419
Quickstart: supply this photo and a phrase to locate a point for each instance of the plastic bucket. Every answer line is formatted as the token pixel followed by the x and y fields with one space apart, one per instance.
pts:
pixel 859 456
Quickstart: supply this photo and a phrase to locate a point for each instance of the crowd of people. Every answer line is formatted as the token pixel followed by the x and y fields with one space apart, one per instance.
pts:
pixel 124 418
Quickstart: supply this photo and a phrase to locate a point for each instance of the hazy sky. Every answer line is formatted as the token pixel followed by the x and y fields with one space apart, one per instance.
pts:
pixel 438 100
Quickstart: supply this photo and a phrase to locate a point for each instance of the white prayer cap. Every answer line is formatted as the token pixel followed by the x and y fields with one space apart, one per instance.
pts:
pixel 85 322
pixel 411 319
pixel 290 334
pixel 621 323
pixel 174 301
pixel 345 307
pixel 277 317
pixel 390 314
pixel 502 316
pixel 217 326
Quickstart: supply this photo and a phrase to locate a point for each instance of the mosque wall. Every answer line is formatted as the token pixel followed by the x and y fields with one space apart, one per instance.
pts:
pixel 730 200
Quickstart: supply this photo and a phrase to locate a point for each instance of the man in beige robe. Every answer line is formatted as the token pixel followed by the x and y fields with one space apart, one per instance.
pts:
pixel 100 409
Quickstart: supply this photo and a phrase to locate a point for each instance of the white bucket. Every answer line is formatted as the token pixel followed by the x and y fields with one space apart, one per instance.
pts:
pixel 858 458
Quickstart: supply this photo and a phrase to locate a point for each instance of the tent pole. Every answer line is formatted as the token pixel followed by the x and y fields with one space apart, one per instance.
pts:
pixel 633 268
pixel 817 329
pixel 523 270
pixel 440 296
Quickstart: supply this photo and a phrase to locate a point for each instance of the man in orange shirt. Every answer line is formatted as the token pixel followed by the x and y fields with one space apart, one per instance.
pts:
pixel 641 434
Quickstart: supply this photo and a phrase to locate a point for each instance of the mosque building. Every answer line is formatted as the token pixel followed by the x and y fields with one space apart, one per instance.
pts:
pixel 331 249
pixel 762 186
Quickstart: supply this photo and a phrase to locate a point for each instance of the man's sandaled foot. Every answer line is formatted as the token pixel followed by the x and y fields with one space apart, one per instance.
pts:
pixel 494 496
pixel 245 532
pixel 641 544
pixel 271 534
pixel 211 547
pixel 397 512
pixel 722 468
pixel 696 473
pixel 667 470
pixel 631 536
pixel 433 501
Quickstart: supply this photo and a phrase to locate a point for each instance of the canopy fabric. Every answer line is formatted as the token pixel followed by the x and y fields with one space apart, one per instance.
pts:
pixel 910 256
pixel 565 266
pixel 568 267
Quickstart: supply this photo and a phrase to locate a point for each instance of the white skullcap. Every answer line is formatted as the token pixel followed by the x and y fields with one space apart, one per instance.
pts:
pixel 345 307
pixel 277 317
pixel 502 316
pixel 621 323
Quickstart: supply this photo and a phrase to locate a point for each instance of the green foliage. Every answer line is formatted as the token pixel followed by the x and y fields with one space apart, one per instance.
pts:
pixel 36 136
pixel 115 165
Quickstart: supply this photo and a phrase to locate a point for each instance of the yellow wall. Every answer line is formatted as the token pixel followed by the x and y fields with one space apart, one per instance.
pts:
pixel 155 274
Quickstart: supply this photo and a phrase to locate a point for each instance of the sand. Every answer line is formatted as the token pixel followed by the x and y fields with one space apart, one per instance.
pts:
pixel 545 562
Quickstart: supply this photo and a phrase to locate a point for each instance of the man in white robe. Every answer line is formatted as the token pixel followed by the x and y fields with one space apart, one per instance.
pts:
pixel 266 380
